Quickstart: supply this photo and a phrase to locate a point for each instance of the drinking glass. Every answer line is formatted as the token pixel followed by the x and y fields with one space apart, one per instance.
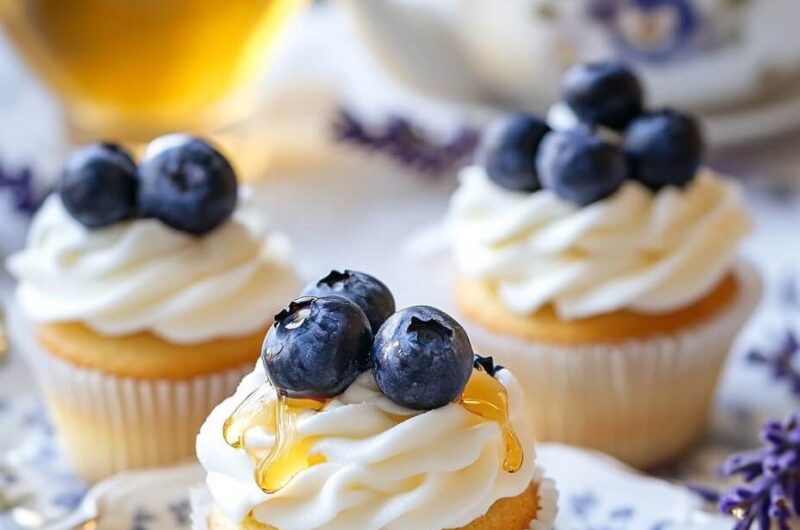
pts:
pixel 133 69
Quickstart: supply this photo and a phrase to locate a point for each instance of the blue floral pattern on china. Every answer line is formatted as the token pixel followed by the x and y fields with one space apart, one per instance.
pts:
pixel 665 30
pixel 596 514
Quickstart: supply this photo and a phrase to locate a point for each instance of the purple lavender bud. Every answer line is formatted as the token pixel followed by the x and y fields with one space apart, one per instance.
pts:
pixel 728 504
pixel 770 495
pixel 773 426
pixel 775 440
pixel 746 463
pixel 778 464
pixel 746 493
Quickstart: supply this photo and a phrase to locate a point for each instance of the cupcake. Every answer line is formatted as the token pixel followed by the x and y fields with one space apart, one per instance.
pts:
pixel 339 428
pixel 597 259
pixel 142 298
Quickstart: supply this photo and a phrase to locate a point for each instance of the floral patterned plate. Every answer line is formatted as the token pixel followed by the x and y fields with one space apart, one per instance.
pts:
pixel 596 493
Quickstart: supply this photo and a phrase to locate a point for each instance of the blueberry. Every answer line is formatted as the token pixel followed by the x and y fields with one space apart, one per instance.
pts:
pixel 421 358
pixel 317 346
pixel 579 167
pixel 508 151
pixel 369 293
pixel 189 186
pixel 98 185
pixel 605 93
pixel 664 148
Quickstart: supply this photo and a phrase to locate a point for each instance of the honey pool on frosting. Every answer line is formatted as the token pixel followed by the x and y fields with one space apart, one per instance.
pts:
pixel 484 396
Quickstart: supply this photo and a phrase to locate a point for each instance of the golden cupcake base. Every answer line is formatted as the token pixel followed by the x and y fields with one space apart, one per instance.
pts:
pixel 144 355
pixel 478 300
pixel 637 387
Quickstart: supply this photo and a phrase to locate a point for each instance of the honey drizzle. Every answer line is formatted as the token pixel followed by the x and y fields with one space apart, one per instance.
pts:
pixel 487 398
pixel 285 459
pixel 483 396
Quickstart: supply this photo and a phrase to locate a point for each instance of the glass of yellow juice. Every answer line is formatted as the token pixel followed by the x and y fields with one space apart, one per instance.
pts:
pixel 134 69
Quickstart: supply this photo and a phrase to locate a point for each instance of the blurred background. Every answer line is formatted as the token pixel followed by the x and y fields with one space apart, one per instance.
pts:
pixel 268 77
pixel 361 112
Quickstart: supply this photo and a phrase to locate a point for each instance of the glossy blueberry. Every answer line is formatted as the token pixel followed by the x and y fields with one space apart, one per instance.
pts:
pixel 317 346
pixel 579 167
pixel 605 93
pixel 421 358
pixel 98 185
pixel 664 149
pixel 508 151
pixel 369 293
pixel 189 186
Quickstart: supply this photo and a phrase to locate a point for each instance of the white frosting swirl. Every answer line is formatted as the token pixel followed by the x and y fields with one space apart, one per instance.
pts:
pixel 636 250
pixel 141 275
pixel 437 469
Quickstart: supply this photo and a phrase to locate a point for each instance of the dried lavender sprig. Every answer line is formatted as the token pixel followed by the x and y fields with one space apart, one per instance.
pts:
pixel 407 143
pixel 783 359
pixel 771 490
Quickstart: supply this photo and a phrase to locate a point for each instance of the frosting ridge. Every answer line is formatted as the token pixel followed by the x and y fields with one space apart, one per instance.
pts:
pixel 141 275
pixel 636 250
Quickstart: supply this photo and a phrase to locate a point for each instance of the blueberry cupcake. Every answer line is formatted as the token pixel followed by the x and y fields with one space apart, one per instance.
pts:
pixel 597 258
pixel 339 428
pixel 146 290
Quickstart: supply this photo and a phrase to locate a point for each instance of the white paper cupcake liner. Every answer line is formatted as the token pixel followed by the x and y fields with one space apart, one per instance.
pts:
pixel 548 502
pixel 108 424
pixel 203 504
pixel 642 401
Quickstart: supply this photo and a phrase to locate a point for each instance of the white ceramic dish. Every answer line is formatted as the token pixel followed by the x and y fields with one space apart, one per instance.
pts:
pixel 736 63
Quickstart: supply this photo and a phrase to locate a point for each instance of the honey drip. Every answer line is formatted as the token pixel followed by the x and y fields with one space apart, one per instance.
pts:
pixel 285 459
pixel 483 396
pixel 486 397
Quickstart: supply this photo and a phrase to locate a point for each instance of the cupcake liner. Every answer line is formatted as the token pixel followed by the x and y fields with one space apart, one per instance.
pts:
pixel 641 401
pixel 108 423
pixel 203 503
pixel 548 502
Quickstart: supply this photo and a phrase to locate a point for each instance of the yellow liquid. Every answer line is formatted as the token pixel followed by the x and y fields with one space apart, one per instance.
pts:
pixel 140 64
pixel 483 396
pixel 287 457
pixel 486 397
